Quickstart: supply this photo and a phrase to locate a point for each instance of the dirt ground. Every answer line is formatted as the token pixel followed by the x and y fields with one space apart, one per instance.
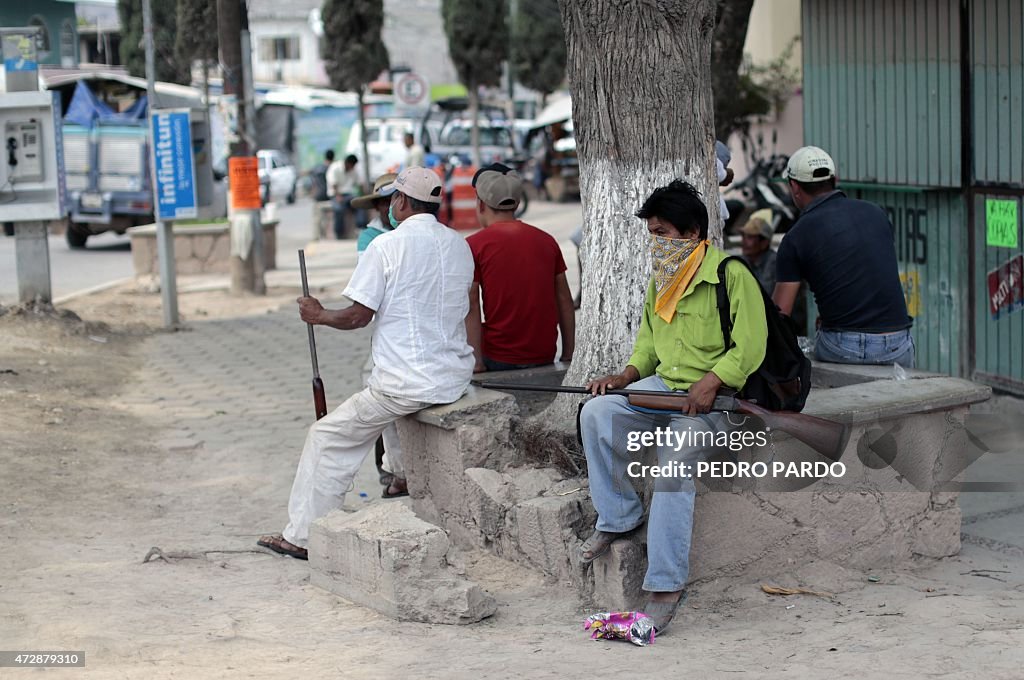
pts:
pixel 86 493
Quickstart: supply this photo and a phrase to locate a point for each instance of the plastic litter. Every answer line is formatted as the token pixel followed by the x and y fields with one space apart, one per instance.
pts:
pixel 806 345
pixel 898 372
pixel 635 627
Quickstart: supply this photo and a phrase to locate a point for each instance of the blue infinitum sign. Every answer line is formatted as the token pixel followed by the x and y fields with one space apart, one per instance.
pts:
pixel 173 167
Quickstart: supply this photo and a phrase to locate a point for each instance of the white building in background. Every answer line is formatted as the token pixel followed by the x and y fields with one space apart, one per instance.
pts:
pixel 285 45
pixel 774 24
pixel 286 40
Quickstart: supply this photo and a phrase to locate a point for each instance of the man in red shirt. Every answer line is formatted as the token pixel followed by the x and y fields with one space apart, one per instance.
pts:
pixel 521 276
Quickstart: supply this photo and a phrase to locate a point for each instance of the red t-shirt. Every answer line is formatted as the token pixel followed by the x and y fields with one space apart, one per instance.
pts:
pixel 516 266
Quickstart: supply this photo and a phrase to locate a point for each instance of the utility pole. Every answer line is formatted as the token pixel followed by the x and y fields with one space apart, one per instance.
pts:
pixel 246 231
pixel 164 230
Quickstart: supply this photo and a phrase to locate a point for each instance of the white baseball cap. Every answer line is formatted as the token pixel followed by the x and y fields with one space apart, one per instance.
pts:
pixel 419 183
pixel 810 164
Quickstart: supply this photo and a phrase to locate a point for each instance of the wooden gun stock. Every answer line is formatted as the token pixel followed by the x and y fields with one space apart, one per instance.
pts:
pixel 319 398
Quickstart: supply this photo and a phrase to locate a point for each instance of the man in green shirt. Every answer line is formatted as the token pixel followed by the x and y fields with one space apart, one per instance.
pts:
pixel 679 347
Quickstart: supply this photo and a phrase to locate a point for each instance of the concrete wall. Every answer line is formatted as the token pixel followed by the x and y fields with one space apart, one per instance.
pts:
pixel 197 250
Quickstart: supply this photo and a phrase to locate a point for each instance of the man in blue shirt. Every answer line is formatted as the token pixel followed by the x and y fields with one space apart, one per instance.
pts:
pixel 379 199
pixel 845 250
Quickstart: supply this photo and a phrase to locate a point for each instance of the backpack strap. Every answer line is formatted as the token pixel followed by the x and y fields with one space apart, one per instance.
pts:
pixel 722 294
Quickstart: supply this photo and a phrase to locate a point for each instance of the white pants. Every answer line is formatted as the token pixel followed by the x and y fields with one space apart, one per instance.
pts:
pixel 335 448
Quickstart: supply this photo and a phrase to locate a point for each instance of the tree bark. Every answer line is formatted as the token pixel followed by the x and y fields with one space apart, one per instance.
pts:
pixel 726 58
pixel 639 75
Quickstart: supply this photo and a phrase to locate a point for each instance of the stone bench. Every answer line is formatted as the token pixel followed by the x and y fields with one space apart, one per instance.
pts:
pixel 467 474
pixel 198 249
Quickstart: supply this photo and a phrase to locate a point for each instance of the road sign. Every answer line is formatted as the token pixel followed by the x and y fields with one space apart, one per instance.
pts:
pixel 412 94
pixel 174 170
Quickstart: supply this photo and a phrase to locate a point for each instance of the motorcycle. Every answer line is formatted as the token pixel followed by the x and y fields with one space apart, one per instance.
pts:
pixel 758 190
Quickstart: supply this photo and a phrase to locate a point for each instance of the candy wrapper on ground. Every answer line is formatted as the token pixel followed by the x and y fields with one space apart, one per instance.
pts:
pixel 636 627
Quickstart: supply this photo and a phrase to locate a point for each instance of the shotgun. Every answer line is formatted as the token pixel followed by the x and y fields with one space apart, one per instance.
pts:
pixel 319 398
pixel 827 437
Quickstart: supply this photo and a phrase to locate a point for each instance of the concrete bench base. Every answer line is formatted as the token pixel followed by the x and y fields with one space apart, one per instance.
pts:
pixel 387 559
pixel 197 249
pixel 467 475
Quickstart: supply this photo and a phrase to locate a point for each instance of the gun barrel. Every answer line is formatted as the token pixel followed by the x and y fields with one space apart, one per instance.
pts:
pixel 827 437
pixel 309 326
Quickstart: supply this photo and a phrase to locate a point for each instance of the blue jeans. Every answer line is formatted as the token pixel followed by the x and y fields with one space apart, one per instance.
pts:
pixel 341 206
pixel 604 424
pixel 847 347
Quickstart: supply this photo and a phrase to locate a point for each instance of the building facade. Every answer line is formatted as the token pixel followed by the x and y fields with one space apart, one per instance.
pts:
pixel 920 104
pixel 58 42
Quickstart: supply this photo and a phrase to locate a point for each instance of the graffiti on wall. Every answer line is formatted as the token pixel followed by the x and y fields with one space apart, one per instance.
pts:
pixel 1006 288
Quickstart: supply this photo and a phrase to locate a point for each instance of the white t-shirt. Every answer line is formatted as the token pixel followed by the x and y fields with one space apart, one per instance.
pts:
pixel 342 181
pixel 417 280
pixel 415 157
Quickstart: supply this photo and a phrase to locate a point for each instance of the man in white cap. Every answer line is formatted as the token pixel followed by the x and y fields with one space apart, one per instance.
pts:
pixel 415 280
pixel 756 244
pixel 845 250
pixel 521 272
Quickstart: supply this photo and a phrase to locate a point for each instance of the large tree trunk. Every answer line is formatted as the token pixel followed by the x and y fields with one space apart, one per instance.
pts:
pixel 726 58
pixel 639 74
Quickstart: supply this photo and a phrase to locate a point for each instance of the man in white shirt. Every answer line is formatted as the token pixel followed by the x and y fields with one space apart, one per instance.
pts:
pixel 416 281
pixel 414 155
pixel 342 186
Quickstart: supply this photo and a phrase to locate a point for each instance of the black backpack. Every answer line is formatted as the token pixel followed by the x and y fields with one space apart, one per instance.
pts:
pixel 783 380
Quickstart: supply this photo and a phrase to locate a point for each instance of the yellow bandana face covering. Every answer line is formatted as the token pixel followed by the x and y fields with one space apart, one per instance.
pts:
pixel 676 262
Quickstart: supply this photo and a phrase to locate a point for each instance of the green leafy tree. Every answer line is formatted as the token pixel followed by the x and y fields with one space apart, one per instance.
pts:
pixel 477 42
pixel 353 51
pixel 133 48
pixel 539 46
pixel 197 36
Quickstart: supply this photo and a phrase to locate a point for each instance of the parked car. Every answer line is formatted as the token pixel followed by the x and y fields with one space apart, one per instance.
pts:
pixel 385 142
pixel 278 177
pixel 496 142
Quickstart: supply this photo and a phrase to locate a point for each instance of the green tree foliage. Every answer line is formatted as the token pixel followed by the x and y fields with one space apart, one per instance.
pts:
pixel 539 45
pixel 354 52
pixel 478 44
pixel 352 48
pixel 133 49
pixel 760 90
pixel 477 39
pixel 197 31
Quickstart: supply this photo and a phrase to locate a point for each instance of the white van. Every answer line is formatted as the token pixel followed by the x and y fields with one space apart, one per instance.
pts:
pixel 385 142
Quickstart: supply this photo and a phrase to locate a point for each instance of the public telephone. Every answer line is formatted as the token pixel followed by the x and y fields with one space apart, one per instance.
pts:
pixel 22 150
